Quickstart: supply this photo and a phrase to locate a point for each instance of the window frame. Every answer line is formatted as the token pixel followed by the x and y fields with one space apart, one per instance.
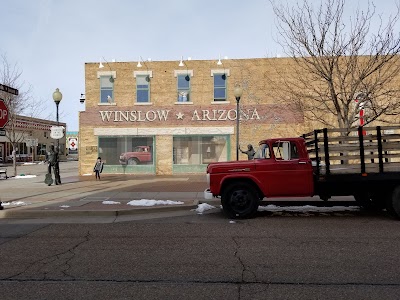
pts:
pixel 143 76
pixel 224 88
pixel 179 90
pixel 106 89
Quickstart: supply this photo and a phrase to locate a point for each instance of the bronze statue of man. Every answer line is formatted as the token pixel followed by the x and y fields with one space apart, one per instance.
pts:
pixel 52 159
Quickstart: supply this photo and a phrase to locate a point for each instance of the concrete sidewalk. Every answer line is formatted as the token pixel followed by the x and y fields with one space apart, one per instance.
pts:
pixel 84 196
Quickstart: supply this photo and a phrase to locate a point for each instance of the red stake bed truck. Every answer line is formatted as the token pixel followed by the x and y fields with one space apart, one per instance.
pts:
pixel 364 163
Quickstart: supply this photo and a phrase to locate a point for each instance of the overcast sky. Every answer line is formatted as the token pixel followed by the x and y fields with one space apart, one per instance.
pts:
pixel 51 40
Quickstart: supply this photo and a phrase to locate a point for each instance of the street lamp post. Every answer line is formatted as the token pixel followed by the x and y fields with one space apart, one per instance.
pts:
pixel 57 96
pixel 238 91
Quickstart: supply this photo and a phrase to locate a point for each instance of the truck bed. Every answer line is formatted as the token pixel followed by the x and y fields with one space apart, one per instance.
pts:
pixel 365 150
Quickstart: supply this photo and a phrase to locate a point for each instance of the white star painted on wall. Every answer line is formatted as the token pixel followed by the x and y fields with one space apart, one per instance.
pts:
pixel 179 116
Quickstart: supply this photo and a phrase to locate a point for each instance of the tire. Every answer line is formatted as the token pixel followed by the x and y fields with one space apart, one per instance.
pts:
pixel 132 161
pixel 369 201
pixel 393 203
pixel 240 201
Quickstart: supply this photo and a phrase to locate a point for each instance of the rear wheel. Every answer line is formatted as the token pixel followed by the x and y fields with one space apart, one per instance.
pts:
pixel 369 201
pixel 240 200
pixel 393 203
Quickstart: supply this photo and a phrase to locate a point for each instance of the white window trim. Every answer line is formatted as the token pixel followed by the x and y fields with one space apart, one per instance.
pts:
pixel 220 102
pixel 183 103
pixel 183 72
pixel 140 73
pixel 143 103
pixel 220 71
pixel 106 104
pixel 107 73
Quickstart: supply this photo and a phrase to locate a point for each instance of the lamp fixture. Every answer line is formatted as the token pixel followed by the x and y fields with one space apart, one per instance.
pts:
pixel 238 91
pixel 219 63
pixel 219 60
pixel 111 79
pixel 139 65
pixel 82 99
pixel 181 64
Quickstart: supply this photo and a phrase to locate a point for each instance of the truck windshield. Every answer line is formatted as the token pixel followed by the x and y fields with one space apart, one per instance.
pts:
pixel 262 152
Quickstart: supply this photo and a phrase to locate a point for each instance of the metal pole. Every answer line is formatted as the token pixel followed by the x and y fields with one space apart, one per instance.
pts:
pixel 58 140
pixel 237 127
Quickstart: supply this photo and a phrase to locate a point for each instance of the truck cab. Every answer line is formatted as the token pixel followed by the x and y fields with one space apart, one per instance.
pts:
pixel 280 168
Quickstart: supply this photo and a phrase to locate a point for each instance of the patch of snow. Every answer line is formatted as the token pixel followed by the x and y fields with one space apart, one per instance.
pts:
pixel 29 163
pixel 24 176
pixel 65 206
pixel 14 203
pixel 203 207
pixel 232 222
pixel 146 202
pixel 111 202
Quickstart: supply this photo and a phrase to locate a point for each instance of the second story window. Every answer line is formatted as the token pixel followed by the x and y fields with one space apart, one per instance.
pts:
pixel 183 79
pixel 183 88
pixel 106 89
pixel 220 87
pixel 142 88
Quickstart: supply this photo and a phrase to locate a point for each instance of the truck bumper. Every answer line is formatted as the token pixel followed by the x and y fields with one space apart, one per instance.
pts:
pixel 208 195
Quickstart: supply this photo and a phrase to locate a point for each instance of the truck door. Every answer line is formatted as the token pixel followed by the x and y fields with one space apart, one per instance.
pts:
pixel 287 172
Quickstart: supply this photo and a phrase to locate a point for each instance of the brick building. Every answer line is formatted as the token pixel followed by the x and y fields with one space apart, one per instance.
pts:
pixel 33 139
pixel 184 112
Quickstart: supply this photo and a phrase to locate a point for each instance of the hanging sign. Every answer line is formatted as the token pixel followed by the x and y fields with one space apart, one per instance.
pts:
pixel 57 132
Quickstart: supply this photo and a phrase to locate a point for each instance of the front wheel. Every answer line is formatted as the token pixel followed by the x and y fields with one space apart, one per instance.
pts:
pixel 240 200
pixel 132 162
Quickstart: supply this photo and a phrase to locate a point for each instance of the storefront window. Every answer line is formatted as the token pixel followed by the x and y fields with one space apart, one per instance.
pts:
pixel 126 151
pixel 198 150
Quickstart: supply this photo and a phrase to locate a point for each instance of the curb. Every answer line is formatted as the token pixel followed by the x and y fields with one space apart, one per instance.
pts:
pixel 27 213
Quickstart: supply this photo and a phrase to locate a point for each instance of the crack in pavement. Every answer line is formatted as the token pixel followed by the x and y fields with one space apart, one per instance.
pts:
pixel 51 267
pixel 244 267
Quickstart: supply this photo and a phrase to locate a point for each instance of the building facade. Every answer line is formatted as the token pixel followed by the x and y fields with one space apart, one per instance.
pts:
pixel 171 117
pixel 32 138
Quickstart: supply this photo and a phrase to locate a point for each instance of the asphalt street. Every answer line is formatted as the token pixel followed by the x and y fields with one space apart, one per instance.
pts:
pixel 204 257
pixel 180 254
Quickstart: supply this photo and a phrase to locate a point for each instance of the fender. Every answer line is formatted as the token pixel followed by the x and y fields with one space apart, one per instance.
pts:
pixel 216 184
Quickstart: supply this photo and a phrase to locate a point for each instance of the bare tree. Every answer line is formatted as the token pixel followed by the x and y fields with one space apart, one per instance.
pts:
pixel 338 66
pixel 22 104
